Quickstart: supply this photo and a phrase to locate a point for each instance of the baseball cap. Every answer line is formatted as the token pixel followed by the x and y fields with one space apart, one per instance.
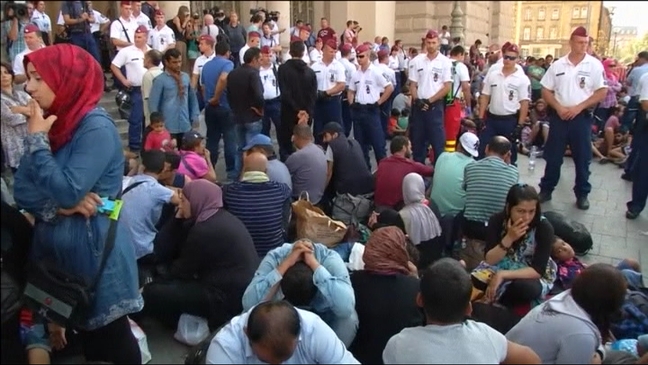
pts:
pixel 332 127
pixel 190 138
pixel 254 34
pixel 31 28
pixel 141 29
pixel 431 34
pixel 470 143
pixel 579 32
pixel 258 140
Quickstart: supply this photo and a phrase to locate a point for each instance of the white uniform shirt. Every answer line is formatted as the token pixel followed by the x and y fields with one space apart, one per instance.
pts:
pixel 642 87
pixel 18 67
pixel 315 55
pixel 445 38
pixel 199 63
pixel 499 64
pixel 125 33
pixel 393 63
pixel 349 70
pixel 430 75
pixel 573 84
pixel 159 39
pixel 143 19
pixel 269 81
pixel 368 85
pixel 388 73
pixel 328 75
pixel 506 92
pixel 338 55
pixel 412 61
pixel 461 74
pixel 42 21
pixel 132 58
pixel 99 20
pixel 270 42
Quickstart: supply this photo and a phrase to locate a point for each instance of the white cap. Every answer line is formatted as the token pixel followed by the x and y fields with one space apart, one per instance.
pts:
pixel 470 143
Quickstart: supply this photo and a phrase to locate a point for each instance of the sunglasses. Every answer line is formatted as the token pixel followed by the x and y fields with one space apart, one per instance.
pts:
pixel 510 58
pixel 361 56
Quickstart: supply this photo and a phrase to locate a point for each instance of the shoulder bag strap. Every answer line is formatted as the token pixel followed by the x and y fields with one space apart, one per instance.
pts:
pixel 187 166
pixel 124 29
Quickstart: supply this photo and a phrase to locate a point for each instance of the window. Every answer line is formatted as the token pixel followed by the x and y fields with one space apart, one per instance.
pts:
pixel 555 14
pixel 583 12
pixel 537 52
pixel 527 14
pixel 526 35
pixel 540 33
pixel 575 12
pixel 541 13
pixel 525 52
pixel 553 33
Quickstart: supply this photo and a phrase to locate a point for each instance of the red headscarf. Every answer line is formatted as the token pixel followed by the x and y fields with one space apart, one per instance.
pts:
pixel 76 79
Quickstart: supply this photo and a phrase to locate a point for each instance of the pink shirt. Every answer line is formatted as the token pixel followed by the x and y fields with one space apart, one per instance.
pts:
pixel 612 122
pixel 193 165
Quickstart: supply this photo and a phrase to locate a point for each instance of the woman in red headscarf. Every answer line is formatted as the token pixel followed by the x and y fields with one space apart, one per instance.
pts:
pixel 73 158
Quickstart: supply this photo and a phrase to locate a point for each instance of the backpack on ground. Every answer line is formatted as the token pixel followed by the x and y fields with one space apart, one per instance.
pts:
pixel 572 232
pixel 634 316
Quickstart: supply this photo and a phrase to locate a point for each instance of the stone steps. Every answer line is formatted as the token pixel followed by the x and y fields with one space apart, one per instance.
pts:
pixel 108 102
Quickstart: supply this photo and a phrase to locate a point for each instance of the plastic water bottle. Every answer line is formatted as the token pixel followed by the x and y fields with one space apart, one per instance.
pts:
pixel 532 158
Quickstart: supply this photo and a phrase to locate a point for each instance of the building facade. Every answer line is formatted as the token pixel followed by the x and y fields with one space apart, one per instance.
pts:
pixel 544 27
pixel 621 38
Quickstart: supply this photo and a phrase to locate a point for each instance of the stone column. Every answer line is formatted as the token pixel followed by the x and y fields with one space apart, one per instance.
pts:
pixel 283 7
pixel 456 25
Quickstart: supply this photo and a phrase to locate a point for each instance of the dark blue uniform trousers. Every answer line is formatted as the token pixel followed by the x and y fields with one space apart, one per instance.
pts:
pixel 271 115
pixel 426 127
pixel 385 113
pixel 640 170
pixel 346 114
pixel 135 119
pixel 326 110
pixel 368 131
pixel 499 125
pixel 578 134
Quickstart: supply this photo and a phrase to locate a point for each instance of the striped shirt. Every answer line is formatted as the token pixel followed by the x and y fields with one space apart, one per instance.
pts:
pixel 487 182
pixel 263 207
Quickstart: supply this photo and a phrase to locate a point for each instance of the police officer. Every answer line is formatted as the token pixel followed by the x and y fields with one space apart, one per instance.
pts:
pixel 640 170
pixel 161 37
pixel 122 32
pixel 132 58
pixel 504 101
pixel 331 82
pixel 271 93
pixel 572 86
pixel 389 74
pixel 347 55
pixel 365 99
pixel 430 81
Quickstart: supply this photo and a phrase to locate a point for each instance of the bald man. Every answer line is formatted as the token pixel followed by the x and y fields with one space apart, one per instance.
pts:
pixel 209 27
pixel 255 162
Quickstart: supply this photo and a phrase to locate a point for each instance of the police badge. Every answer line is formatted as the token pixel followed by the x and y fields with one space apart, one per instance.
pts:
pixel 582 83
pixel 332 78
pixel 436 77
pixel 510 95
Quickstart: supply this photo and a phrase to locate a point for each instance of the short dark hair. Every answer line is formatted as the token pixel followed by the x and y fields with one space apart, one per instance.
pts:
pixel 9 69
pixel 222 48
pixel 297 285
pixel 251 54
pixel 457 50
pixel 446 288
pixel 405 112
pixel 156 117
pixel 155 56
pixel 297 49
pixel 395 112
pixel 643 55
pixel 171 53
pixel 398 143
pixel 153 161
pixel 173 159
pixel 499 145
pixel 303 131
pixel 479 42
pixel 273 323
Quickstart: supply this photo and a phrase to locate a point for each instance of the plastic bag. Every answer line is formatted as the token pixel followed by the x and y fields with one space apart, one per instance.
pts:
pixel 142 342
pixel 191 329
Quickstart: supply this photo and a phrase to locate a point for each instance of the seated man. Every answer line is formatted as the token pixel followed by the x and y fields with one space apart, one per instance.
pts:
pixel 307 275
pixel 277 170
pixel 448 337
pixel 262 205
pixel 487 182
pixel 275 332
pixel 307 166
pixel 391 172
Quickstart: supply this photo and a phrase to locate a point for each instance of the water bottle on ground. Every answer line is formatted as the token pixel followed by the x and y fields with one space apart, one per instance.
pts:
pixel 532 158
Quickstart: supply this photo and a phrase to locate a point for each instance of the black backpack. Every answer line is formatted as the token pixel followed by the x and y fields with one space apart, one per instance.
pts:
pixel 572 232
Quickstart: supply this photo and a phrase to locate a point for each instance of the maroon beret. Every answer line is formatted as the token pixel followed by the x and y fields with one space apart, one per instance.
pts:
pixel 30 28
pixel 431 34
pixel 266 50
pixel 383 53
pixel 331 43
pixel 363 48
pixel 141 29
pixel 579 32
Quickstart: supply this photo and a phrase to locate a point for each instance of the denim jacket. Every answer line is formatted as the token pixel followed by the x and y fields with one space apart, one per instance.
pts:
pixel 45 182
pixel 334 291
pixel 179 113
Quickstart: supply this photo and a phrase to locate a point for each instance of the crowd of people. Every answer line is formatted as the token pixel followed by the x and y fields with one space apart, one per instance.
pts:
pixel 441 253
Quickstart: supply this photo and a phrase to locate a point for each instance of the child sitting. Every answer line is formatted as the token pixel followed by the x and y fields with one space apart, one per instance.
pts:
pixel 569 266
pixel 158 137
pixel 394 127
pixel 403 123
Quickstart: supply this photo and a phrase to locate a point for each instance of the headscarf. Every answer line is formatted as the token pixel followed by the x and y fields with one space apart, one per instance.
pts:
pixel 609 72
pixel 386 252
pixel 205 198
pixel 76 79
pixel 420 222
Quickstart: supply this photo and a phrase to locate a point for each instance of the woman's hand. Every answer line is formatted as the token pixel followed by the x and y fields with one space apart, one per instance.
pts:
pixel 515 231
pixel 87 207
pixel 37 123
pixel 56 336
pixel 491 291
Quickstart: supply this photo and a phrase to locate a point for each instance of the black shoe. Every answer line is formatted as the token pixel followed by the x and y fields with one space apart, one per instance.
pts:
pixel 626 176
pixel 631 215
pixel 544 197
pixel 582 203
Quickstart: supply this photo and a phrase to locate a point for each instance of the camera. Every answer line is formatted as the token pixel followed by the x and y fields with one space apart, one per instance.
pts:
pixel 19 10
pixel 274 16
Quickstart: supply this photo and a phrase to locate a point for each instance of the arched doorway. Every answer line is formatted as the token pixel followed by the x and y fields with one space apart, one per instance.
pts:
pixel 302 10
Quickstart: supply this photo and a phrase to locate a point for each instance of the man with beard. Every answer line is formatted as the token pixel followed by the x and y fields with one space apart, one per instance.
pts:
pixel 298 87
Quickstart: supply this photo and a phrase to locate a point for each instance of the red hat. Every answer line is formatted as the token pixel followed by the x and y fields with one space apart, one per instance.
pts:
pixel 141 29
pixel 579 32
pixel 159 12
pixel 383 53
pixel 125 3
pixel 331 43
pixel 305 27
pixel 431 34
pixel 31 28
pixel 363 48
pixel 207 38
pixel 294 38
pixel 346 48
pixel 254 34
pixel 512 47
pixel 505 46
pixel 266 50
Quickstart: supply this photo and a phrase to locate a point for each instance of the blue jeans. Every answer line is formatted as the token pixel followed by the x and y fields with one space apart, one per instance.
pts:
pixel 244 133
pixel 135 119
pixel 499 126
pixel 87 42
pixel 427 128
pixel 578 134
pixel 271 115
pixel 326 111
pixel 368 131
pixel 220 123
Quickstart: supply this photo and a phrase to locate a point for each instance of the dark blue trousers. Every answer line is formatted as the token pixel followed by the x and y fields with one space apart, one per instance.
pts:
pixel 271 115
pixel 87 42
pixel 630 112
pixel 577 133
pixel 426 128
pixel 346 115
pixel 326 111
pixel 499 125
pixel 368 131
pixel 220 124
pixel 135 119
pixel 201 99
pixel 640 170
pixel 385 113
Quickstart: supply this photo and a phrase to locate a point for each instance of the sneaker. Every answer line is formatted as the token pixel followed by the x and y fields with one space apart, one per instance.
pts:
pixel 631 215
pixel 544 197
pixel 582 203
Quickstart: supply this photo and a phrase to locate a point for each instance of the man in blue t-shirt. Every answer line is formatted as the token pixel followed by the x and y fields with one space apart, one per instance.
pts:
pixel 218 114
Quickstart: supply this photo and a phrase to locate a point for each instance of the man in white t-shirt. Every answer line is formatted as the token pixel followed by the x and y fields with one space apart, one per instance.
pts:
pixel 448 337
pixel 253 40
pixel 445 40
pixel 206 47
pixel 161 37
pixel 33 41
